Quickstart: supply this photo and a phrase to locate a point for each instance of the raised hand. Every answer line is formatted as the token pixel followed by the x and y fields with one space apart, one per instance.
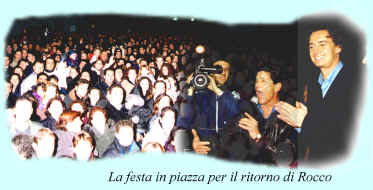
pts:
pixel 291 115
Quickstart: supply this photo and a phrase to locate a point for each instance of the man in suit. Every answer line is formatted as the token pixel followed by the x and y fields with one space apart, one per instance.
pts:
pixel 325 121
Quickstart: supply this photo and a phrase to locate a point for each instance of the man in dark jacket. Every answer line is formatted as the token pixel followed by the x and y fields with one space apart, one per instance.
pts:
pixel 326 120
pixel 205 113
pixel 257 135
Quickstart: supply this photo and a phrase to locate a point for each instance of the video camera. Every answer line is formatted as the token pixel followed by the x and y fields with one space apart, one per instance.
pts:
pixel 200 79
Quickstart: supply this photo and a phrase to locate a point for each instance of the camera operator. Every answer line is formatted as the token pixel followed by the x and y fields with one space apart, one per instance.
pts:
pixel 205 112
pixel 260 136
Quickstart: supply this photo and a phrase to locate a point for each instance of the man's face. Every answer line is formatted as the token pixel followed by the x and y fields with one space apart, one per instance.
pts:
pixel 221 78
pixel 324 52
pixel 38 67
pixel 82 90
pixel 265 88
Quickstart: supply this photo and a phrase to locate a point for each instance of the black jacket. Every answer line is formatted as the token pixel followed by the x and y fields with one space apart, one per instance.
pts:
pixel 326 129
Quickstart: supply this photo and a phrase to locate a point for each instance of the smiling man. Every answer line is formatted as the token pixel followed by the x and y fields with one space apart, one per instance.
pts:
pixel 326 120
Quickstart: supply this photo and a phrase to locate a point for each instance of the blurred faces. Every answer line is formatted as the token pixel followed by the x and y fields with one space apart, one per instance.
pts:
pixel 83 147
pixel 8 89
pixel 45 144
pixel 38 67
pixel 98 120
pixel 109 77
pixel 116 96
pixel 75 125
pixel 132 75
pixel 159 62
pixel 159 88
pixel 82 90
pixel 23 110
pixel 14 79
pixel 118 75
pixel 98 65
pixel 168 121
pixel 55 109
pixel 49 65
pixel 42 79
pixel 85 75
pixel 144 84
pixel 94 96
pixel 125 136
pixel 77 107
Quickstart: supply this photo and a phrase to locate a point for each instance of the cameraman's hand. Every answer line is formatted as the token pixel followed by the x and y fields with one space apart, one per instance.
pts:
pixel 190 90
pixel 199 147
pixel 213 87
pixel 251 125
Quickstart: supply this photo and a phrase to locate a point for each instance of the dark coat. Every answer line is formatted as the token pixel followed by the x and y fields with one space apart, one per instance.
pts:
pixel 277 145
pixel 327 126
pixel 199 111
pixel 115 114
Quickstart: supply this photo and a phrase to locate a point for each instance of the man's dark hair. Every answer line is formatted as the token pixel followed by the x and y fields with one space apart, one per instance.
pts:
pixel 333 32
pixel 274 70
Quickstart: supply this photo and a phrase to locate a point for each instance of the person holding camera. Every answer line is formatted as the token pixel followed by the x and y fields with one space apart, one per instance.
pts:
pixel 205 112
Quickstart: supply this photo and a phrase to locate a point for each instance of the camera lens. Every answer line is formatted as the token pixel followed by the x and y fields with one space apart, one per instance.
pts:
pixel 200 81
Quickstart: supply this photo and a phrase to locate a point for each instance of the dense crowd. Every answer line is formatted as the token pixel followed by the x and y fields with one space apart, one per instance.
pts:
pixel 95 96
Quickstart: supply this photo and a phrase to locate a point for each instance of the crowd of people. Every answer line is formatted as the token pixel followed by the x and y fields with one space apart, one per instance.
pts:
pixel 89 97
